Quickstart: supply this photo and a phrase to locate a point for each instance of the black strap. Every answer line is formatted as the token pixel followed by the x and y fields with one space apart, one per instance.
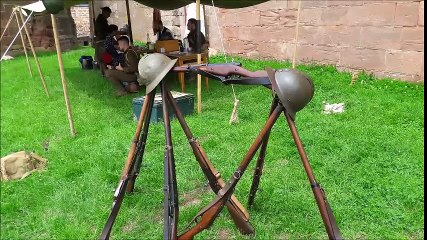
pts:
pixel 264 81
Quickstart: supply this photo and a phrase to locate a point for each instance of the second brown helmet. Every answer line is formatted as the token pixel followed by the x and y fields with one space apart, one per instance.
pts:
pixel 293 88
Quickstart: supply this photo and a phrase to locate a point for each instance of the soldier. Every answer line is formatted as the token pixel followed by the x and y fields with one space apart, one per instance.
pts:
pixel 101 32
pixel 126 74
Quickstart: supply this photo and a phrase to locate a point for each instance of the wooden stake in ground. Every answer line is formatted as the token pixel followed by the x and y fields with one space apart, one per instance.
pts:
pixel 34 52
pixel 61 69
pixel 199 60
pixel 354 78
pixel 23 42
pixel 296 35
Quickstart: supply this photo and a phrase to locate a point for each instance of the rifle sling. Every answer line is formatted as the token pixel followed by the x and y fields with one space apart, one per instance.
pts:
pixel 263 81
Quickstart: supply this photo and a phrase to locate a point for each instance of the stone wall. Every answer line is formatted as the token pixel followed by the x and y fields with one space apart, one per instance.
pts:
pixel 82 18
pixel 40 29
pixel 141 17
pixel 379 36
pixel 382 37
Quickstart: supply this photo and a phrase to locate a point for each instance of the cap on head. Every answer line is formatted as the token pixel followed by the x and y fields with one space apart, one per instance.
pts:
pixel 106 9
pixel 152 69
pixel 123 37
pixel 293 88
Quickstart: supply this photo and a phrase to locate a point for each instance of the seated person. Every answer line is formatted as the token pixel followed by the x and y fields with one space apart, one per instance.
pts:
pixel 126 73
pixel 111 55
pixel 192 36
pixel 162 32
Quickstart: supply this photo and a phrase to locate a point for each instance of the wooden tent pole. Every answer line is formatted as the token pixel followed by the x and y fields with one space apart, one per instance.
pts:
pixel 23 42
pixel 61 69
pixel 34 52
pixel 93 11
pixel 129 21
pixel 199 59
pixel 7 25
pixel 296 35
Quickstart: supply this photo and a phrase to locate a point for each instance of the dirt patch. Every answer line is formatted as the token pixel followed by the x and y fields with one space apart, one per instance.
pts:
pixel 283 162
pixel 193 197
pixel 45 144
pixel 283 236
pixel 224 234
pixel 129 227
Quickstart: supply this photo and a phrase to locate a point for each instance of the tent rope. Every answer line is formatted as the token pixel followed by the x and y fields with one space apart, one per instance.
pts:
pixel 234 118
pixel 296 35
pixel 17 34
pixel 7 24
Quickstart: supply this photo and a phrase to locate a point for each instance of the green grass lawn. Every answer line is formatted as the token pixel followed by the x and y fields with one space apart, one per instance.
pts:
pixel 370 159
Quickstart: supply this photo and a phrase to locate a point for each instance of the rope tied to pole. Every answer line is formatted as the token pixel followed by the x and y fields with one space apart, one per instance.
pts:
pixel 234 118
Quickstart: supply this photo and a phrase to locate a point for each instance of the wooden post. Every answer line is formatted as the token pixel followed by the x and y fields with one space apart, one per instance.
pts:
pixel 61 69
pixel 129 22
pixel 199 60
pixel 92 15
pixel 296 35
pixel 34 52
pixel 23 42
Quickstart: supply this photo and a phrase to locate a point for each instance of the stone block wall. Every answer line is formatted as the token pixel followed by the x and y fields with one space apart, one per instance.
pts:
pixel 141 17
pixel 40 29
pixel 382 37
pixel 82 19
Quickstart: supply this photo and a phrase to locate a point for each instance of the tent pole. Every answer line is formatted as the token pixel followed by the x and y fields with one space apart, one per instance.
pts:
pixel 92 25
pixel 296 35
pixel 14 38
pixel 23 42
pixel 129 21
pixel 34 51
pixel 199 59
pixel 7 25
pixel 61 69
pixel 93 11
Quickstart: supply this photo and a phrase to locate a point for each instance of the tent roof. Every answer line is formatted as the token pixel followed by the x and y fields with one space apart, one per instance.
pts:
pixel 54 6
pixel 175 4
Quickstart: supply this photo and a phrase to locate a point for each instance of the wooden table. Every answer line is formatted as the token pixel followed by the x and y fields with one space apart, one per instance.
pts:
pixel 187 58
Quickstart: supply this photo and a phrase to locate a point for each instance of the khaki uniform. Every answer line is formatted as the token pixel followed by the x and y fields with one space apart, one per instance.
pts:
pixel 129 73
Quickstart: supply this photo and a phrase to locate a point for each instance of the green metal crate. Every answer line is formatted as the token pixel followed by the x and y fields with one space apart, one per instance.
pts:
pixel 185 102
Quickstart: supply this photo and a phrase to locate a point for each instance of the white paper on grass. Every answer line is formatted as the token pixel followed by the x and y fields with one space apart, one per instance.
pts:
pixel 7 57
pixel 35 7
pixel 333 108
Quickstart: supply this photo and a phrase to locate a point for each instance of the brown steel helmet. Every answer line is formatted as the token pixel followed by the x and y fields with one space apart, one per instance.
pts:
pixel 293 88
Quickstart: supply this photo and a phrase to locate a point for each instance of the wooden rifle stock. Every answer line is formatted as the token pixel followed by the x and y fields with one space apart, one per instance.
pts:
pixel 126 174
pixel 207 215
pixel 211 211
pixel 238 213
pixel 224 70
pixel 260 162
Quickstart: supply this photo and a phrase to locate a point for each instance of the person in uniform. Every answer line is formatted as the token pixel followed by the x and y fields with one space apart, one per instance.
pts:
pixel 101 32
pixel 127 73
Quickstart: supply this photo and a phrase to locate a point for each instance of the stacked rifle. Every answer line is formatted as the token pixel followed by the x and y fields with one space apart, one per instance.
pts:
pixel 228 74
